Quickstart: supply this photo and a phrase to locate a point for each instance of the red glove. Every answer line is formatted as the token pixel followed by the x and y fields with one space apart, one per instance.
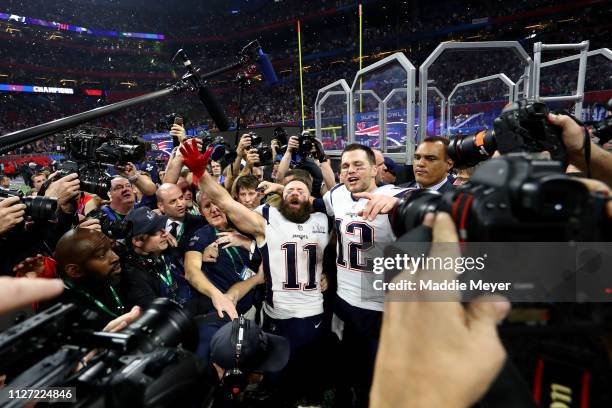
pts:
pixel 193 159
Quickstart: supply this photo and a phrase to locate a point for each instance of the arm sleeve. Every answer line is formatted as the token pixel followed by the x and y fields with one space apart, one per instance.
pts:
pixel 199 240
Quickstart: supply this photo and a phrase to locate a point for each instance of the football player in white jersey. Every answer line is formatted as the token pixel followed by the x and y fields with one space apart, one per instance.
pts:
pixel 291 240
pixel 359 209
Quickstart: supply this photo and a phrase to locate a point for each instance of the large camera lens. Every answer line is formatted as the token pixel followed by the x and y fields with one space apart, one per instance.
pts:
pixel 265 155
pixel 411 210
pixel 42 208
pixel 163 324
pixel 98 186
pixel 468 151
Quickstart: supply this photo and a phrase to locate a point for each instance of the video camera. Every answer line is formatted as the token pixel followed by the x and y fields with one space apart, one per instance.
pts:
pixel 513 198
pixel 222 151
pixel 263 149
pixel 521 127
pixel 42 208
pixel 90 153
pixel 147 364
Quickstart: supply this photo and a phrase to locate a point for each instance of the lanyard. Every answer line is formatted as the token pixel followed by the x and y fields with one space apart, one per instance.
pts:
pixel 98 303
pixel 229 251
pixel 168 278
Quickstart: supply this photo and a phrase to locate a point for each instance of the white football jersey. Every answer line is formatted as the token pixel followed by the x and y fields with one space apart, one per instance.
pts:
pixel 359 241
pixel 293 262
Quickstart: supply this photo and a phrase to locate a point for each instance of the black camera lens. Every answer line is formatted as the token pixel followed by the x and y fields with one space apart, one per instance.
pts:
pixel 255 140
pixel 411 210
pixel 163 324
pixel 42 208
pixel 468 151
pixel 98 186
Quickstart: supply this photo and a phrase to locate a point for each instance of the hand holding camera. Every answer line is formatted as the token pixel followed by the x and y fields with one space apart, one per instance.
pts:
pixel 66 190
pixel 11 213
pixel 293 144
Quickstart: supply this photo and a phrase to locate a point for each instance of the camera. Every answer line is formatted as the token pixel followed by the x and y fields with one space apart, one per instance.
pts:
pixel 165 122
pixel 513 198
pixel 280 135
pixel 221 150
pixel 602 130
pixel 521 127
pixel 42 208
pixel 263 150
pixel 138 366
pixel 89 154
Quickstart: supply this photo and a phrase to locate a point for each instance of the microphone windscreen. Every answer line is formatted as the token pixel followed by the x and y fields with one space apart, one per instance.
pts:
pixel 266 67
pixel 214 109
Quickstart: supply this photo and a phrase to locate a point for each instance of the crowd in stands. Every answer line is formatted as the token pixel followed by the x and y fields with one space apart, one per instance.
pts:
pixel 136 65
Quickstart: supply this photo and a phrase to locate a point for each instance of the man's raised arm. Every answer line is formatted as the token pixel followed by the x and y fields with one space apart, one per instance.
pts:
pixel 245 220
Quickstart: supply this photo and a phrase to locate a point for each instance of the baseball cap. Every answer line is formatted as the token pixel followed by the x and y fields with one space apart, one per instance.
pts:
pixel 260 351
pixel 390 165
pixel 144 221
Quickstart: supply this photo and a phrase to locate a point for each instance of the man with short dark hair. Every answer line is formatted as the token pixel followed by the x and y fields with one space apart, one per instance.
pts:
pixel 432 165
pixel 245 191
pixel 5 182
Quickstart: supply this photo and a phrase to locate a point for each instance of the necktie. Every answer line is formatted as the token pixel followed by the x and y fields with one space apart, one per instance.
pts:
pixel 174 229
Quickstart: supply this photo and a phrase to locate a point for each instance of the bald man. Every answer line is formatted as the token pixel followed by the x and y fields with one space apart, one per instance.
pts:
pixel 180 224
pixel 90 270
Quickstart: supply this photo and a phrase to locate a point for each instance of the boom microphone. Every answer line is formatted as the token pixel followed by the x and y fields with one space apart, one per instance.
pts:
pixel 266 67
pixel 214 109
pixel 212 106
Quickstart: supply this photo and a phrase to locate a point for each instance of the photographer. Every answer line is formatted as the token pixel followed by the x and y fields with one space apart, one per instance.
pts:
pixel 314 161
pixel 38 180
pixel 39 232
pixel 242 151
pixel 122 201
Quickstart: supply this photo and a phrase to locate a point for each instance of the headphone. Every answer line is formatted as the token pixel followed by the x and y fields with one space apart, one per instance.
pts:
pixel 234 380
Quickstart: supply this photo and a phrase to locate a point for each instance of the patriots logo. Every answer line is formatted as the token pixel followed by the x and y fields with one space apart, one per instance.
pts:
pixel 165 146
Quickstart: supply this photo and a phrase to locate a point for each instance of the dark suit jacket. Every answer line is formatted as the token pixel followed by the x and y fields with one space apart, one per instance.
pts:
pixel 447 186
pixel 192 224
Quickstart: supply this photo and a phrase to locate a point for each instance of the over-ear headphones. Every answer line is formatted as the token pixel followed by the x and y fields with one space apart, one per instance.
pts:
pixel 234 380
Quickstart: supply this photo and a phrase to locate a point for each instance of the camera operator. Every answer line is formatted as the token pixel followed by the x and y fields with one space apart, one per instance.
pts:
pixel 5 182
pixel 180 224
pixel 122 201
pixel 432 165
pixel 90 269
